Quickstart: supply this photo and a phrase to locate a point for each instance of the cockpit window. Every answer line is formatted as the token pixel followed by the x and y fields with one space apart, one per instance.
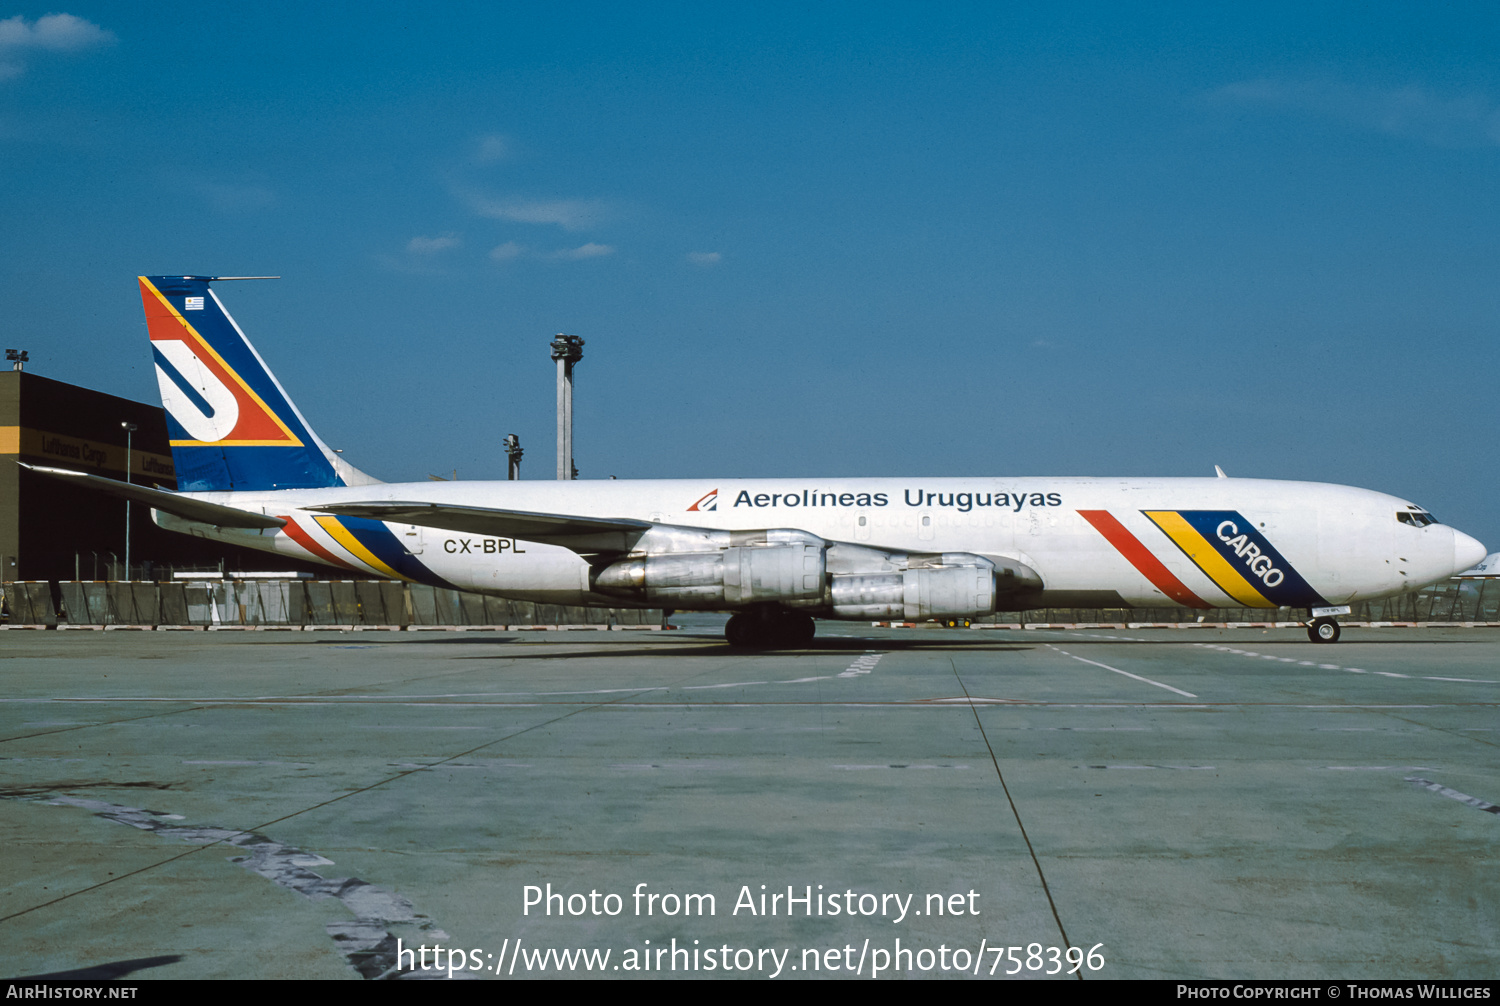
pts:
pixel 1415 517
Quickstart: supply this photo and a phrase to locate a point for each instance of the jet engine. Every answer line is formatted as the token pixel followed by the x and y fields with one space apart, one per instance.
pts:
pixel 955 585
pixel 736 576
pixel 784 568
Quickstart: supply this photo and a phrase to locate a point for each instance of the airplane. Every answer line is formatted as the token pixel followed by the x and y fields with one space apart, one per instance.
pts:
pixel 775 552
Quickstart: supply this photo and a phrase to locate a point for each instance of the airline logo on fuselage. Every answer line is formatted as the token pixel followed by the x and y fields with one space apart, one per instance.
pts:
pixel 1224 546
pixel 1257 561
pixel 708 502
pixel 1237 557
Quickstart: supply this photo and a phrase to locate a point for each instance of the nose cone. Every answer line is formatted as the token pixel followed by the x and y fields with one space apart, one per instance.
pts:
pixel 1467 552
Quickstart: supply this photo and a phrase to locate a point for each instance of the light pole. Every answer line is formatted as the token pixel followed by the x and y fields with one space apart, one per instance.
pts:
pixel 129 429
pixel 566 350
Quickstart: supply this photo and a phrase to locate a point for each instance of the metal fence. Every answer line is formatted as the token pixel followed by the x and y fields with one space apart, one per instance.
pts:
pixel 1466 600
pixel 292 604
pixel 394 604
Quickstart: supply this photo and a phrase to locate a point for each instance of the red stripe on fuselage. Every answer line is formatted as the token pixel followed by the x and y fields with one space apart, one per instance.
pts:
pixel 301 537
pixel 1140 557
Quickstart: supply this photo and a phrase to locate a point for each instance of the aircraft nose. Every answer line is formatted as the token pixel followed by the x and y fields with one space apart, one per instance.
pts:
pixel 1467 552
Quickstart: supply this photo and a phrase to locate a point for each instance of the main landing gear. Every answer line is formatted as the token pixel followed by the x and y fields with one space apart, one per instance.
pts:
pixel 1323 630
pixel 769 629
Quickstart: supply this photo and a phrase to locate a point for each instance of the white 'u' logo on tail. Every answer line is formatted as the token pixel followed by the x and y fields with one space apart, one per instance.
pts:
pixel 188 407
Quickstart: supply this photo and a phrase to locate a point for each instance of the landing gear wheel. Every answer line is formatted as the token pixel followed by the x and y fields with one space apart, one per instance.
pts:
pixel 1323 630
pixel 767 630
pixel 737 631
pixel 752 630
pixel 796 629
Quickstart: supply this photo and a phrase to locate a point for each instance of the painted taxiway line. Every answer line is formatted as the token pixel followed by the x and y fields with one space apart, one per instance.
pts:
pixel 1137 677
pixel 864 665
pixel 1453 794
pixel 1338 667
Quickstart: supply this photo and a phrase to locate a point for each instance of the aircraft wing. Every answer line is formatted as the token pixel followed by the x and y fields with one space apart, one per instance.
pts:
pixel 588 533
pixel 163 499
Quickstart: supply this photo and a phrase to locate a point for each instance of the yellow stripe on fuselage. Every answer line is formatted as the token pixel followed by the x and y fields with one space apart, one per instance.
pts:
pixel 351 544
pixel 1208 559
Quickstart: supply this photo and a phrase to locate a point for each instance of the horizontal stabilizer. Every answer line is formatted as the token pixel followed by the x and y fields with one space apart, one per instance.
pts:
pixel 548 528
pixel 161 499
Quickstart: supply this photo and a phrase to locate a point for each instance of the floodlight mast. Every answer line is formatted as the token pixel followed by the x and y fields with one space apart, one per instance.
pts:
pixel 513 453
pixel 566 350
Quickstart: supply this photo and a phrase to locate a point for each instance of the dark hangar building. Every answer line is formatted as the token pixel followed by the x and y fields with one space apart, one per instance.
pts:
pixel 50 530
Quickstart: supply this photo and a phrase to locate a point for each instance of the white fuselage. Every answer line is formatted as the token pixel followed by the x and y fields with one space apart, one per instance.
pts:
pixel 1346 544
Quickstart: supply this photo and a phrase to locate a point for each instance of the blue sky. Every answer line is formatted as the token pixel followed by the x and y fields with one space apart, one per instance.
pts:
pixel 800 240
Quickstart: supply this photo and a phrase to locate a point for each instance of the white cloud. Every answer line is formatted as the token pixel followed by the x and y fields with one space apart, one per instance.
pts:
pixel 705 259
pixel 492 148
pixel 57 32
pixel 590 250
pixel 569 214
pixel 431 246
pixel 508 252
pixel 49 33
pixel 1408 112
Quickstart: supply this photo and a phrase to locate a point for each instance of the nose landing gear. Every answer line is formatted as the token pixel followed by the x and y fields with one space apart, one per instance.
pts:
pixel 1323 630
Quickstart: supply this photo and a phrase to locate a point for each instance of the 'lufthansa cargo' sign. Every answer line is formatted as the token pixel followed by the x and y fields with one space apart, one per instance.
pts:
pixel 84 454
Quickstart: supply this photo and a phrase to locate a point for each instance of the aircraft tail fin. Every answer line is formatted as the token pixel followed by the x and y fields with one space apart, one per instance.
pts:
pixel 231 424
